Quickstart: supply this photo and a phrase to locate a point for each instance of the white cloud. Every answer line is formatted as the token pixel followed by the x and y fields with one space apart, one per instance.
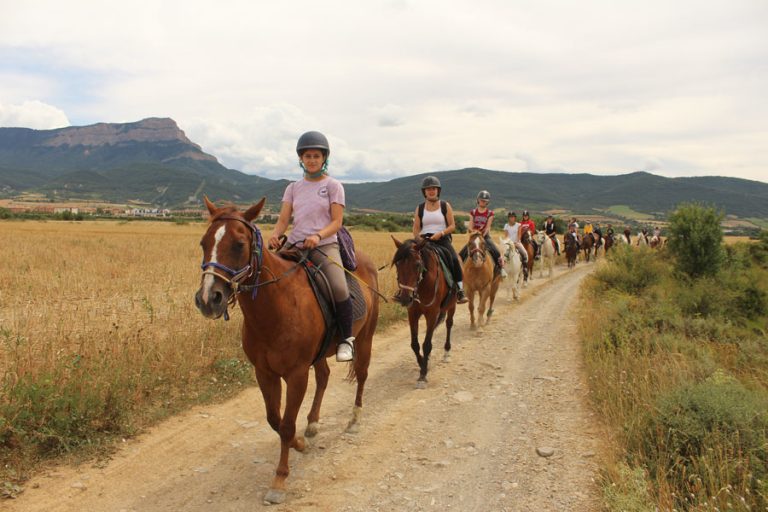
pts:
pixel 413 86
pixel 32 114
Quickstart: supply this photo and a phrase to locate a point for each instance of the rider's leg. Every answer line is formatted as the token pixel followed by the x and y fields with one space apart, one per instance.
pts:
pixel 343 302
pixel 495 254
pixel 523 257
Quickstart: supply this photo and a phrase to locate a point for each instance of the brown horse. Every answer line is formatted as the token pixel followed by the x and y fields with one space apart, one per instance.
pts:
pixel 588 245
pixel 479 278
pixel 608 243
pixel 571 249
pixel 283 324
pixel 527 242
pixel 423 290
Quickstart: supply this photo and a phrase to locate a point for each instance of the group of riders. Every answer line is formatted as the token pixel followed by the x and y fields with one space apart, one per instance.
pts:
pixel 316 206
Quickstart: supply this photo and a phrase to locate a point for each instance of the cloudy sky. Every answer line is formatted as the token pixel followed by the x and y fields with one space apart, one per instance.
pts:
pixel 677 88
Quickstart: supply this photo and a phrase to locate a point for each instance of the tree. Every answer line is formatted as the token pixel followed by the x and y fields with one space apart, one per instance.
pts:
pixel 696 240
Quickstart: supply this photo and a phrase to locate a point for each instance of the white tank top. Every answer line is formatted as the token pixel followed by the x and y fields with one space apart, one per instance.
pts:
pixel 432 222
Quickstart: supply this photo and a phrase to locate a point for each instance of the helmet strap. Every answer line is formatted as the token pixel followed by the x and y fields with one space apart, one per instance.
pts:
pixel 321 172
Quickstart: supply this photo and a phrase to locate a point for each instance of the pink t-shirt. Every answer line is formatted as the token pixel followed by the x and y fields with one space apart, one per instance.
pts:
pixel 311 202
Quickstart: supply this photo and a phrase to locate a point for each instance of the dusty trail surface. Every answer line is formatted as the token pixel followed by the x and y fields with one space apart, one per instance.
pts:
pixel 468 442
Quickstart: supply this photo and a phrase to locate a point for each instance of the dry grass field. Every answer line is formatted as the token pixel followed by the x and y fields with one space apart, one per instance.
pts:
pixel 99 334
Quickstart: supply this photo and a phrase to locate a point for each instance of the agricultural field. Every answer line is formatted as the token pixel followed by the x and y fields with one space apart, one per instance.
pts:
pixel 628 213
pixel 99 334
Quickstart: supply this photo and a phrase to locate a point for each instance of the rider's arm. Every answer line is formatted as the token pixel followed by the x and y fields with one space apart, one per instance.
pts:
pixel 337 217
pixel 416 224
pixel 487 228
pixel 282 224
pixel 450 220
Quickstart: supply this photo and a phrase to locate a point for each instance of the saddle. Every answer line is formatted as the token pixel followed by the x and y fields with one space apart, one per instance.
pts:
pixel 444 256
pixel 322 291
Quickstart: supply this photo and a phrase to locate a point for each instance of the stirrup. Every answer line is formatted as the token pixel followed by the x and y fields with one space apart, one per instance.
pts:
pixel 460 297
pixel 345 350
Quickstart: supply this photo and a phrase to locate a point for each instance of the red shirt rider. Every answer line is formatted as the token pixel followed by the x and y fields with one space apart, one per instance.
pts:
pixel 527 224
pixel 481 219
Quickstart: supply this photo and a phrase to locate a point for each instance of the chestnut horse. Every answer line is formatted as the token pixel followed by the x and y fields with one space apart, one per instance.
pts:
pixel 479 278
pixel 527 242
pixel 283 324
pixel 423 290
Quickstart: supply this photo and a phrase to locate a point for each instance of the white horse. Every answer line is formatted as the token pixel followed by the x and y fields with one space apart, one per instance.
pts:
pixel 547 251
pixel 514 267
pixel 641 240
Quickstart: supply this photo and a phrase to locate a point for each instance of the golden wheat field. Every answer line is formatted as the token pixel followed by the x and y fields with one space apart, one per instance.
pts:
pixel 117 297
pixel 99 335
pixel 119 291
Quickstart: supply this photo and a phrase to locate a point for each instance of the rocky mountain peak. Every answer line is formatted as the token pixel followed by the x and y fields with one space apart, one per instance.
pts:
pixel 153 129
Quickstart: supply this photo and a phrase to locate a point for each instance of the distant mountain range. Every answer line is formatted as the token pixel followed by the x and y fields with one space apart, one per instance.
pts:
pixel 153 161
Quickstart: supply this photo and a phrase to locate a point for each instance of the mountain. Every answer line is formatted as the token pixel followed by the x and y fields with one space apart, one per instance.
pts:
pixel 641 191
pixel 153 161
pixel 150 160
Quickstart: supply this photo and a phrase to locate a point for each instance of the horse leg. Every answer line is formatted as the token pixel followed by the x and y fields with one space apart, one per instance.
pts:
pixel 421 383
pixel 482 301
pixel 494 289
pixel 322 371
pixel 471 296
pixel 363 349
pixel 413 322
pixel 448 327
pixel 296 386
pixel 272 391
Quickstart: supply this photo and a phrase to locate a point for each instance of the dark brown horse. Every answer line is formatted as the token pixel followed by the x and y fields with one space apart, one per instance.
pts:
pixel 527 241
pixel 588 245
pixel 608 242
pixel 480 278
pixel 571 249
pixel 283 324
pixel 423 290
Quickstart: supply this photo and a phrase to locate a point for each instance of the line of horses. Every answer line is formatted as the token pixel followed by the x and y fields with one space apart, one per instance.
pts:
pixel 284 327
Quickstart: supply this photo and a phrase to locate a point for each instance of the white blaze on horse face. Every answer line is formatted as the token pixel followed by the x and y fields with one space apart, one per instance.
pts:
pixel 208 279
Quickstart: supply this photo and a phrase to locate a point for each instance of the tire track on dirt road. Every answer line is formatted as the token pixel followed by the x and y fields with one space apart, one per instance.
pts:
pixel 467 442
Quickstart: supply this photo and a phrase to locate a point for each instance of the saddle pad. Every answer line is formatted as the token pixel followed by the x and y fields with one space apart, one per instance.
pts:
pixel 358 299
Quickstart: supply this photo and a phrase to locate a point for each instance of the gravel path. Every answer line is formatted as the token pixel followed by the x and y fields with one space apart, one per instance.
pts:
pixel 503 426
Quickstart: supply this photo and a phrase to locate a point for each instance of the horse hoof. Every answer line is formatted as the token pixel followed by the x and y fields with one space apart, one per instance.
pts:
pixel 299 444
pixel 311 430
pixel 352 428
pixel 274 497
pixel 490 312
pixel 421 384
pixel 447 357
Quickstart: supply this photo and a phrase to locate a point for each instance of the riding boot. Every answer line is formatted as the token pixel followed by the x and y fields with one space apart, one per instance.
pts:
pixel 345 349
pixel 460 297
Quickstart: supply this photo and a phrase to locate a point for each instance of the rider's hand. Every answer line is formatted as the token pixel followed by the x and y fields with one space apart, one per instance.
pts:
pixel 436 236
pixel 274 242
pixel 312 241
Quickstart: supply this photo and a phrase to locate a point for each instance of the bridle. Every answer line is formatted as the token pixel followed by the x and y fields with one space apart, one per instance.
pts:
pixel 236 277
pixel 421 270
pixel 477 250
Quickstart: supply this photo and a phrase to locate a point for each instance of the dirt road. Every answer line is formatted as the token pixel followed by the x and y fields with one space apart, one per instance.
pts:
pixel 468 442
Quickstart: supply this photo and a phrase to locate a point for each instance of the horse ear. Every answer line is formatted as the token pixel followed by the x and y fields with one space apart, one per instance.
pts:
pixel 253 212
pixel 208 204
pixel 398 243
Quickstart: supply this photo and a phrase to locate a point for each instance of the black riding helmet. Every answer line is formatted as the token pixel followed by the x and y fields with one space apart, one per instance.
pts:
pixel 430 181
pixel 484 194
pixel 313 140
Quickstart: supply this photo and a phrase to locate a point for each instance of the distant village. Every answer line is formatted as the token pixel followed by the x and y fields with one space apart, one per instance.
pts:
pixel 27 206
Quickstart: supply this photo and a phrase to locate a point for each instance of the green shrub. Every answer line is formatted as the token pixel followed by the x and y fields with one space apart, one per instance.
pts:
pixel 696 240
pixel 631 271
pixel 710 434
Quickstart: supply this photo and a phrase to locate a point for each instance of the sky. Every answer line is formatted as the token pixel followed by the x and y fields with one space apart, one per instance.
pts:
pixel 402 87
